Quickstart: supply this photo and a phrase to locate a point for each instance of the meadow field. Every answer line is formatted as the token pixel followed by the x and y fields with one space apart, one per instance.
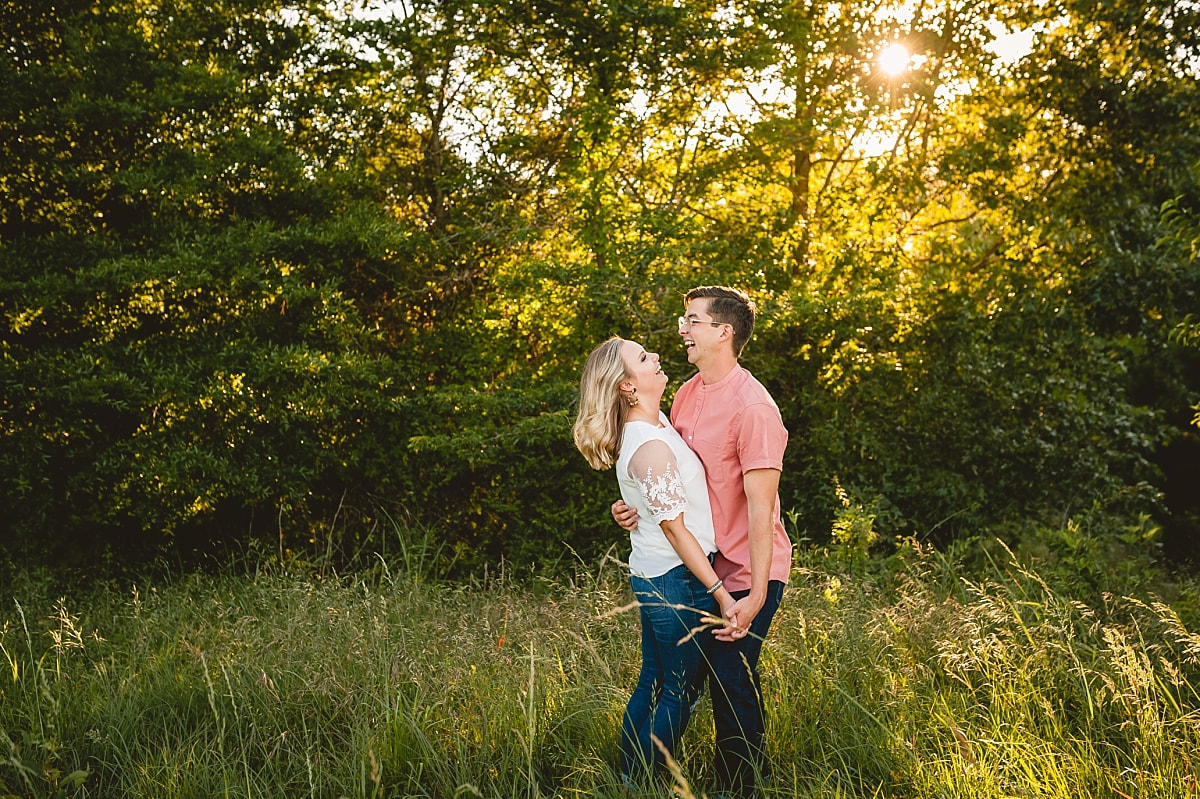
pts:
pixel 976 672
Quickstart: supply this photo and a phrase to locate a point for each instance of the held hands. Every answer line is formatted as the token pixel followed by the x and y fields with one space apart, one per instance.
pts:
pixel 720 623
pixel 728 615
pixel 738 615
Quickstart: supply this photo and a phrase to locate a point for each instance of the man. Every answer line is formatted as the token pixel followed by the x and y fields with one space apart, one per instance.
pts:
pixel 735 427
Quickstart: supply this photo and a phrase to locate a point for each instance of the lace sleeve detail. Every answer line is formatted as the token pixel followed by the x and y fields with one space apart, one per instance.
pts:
pixel 656 472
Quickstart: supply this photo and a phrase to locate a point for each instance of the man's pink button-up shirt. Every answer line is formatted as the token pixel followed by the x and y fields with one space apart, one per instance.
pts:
pixel 734 426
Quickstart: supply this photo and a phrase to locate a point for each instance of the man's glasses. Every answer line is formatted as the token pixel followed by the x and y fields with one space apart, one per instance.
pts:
pixel 686 322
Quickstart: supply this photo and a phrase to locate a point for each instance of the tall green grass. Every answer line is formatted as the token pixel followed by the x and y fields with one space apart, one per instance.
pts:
pixel 914 677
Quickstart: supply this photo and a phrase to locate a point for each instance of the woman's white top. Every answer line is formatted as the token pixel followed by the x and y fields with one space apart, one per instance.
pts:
pixel 661 477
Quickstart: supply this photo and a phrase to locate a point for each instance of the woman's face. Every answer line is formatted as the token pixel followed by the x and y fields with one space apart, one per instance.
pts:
pixel 643 369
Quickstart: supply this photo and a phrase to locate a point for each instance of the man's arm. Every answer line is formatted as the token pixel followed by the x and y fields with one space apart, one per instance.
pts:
pixel 624 515
pixel 762 489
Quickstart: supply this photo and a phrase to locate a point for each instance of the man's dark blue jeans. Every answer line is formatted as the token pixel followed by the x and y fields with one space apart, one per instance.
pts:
pixel 737 703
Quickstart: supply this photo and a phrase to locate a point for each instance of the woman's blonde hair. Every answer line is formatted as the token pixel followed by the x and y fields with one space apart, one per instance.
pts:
pixel 602 411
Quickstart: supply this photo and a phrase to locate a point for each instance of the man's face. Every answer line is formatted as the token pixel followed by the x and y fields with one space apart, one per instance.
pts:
pixel 700 333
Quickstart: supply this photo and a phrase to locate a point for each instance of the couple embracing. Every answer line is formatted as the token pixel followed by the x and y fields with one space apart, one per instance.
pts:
pixel 699 496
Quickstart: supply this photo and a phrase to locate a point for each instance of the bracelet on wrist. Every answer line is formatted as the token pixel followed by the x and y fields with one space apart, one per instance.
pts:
pixel 715 586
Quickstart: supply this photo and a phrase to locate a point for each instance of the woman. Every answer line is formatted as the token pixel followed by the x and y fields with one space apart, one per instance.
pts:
pixel 620 424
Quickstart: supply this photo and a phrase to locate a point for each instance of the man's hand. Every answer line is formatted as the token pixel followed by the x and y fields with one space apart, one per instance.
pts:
pixel 624 515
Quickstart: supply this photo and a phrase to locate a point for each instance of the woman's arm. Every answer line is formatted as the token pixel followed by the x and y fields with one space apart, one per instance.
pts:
pixel 656 471
pixel 695 558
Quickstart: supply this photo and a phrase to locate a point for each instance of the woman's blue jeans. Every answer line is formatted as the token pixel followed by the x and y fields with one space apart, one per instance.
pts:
pixel 671 606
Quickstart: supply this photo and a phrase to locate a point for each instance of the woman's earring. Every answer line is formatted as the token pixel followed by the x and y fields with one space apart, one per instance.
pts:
pixel 632 397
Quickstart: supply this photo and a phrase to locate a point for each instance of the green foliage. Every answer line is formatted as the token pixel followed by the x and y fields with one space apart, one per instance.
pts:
pixel 509 486
pixel 231 377
pixel 279 271
pixel 853 531
pixel 1183 241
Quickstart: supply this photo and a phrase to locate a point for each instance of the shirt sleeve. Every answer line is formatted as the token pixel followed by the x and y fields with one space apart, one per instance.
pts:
pixel 654 468
pixel 762 438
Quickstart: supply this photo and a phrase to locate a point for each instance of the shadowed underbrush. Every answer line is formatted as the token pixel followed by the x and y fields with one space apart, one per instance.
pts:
pixel 912 676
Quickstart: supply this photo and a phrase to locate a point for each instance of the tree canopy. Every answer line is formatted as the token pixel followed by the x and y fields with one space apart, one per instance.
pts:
pixel 288 269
